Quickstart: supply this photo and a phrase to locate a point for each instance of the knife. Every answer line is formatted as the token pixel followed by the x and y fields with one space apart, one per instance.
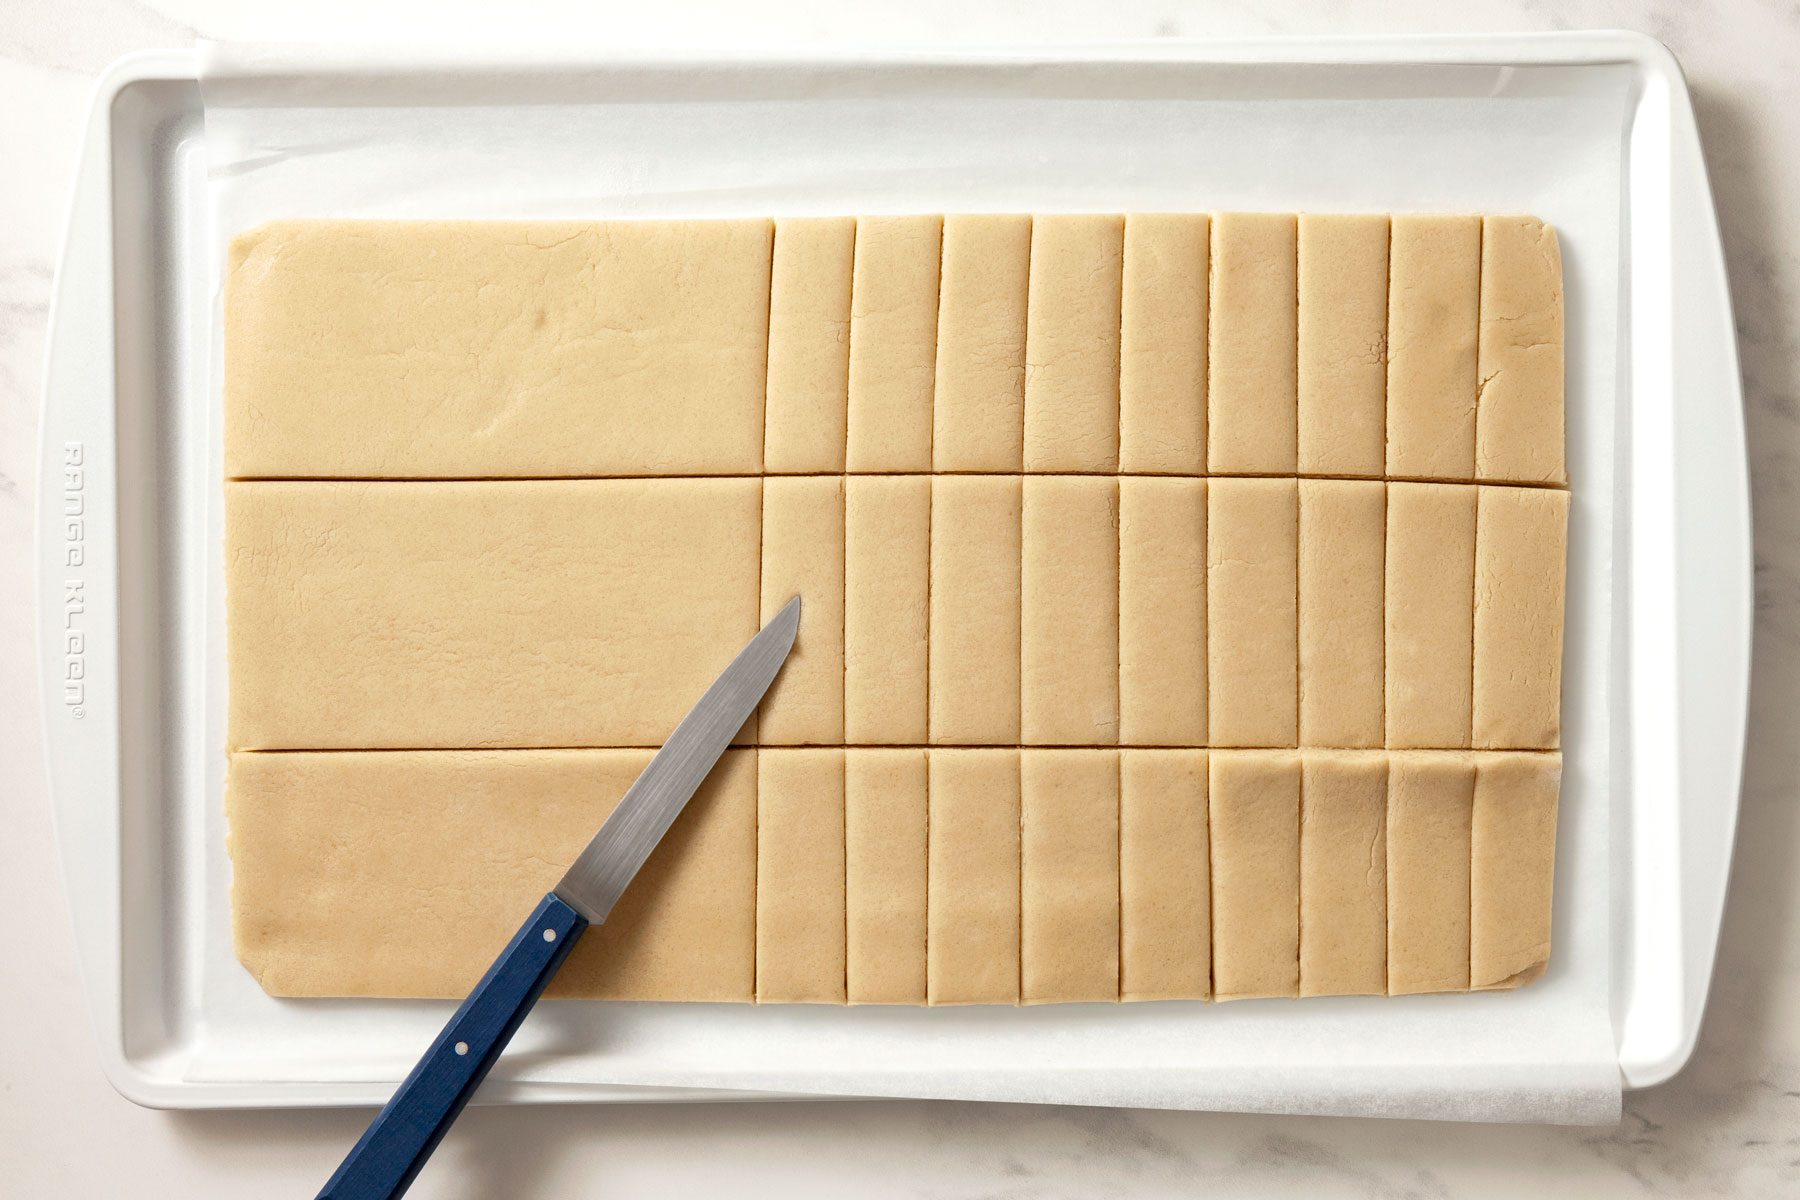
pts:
pixel 384 1162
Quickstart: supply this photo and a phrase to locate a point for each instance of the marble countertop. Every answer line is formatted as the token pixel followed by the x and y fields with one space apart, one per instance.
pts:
pixel 1729 1125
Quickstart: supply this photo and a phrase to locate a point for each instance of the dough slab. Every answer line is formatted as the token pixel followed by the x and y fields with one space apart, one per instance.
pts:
pixel 1429 814
pixel 1162 612
pixel 979 408
pixel 1252 577
pixel 972 908
pixel 1165 892
pixel 1252 424
pixel 893 343
pixel 1343 284
pixel 1343 873
pixel 1433 316
pixel 885 851
pixel 1072 343
pixel 803 555
pixel 1069 875
pixel 371 349
pixel 1430 613
pixel 800 876
pixel 887 573
pixel 370 615
pixel 1343 646
pixel 1183 599
pixel 975 609
pixel 326 848
pixel 808 393
pixel 1162 344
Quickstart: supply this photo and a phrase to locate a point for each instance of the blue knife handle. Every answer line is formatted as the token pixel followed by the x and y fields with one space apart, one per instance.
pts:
pixel 403 1135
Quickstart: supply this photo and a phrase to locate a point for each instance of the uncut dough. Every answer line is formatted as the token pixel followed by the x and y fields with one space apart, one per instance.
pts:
pixel 1252 393
pixel 1519 419
pixel 1165 902
pixel 1162 344
pixel 974 658
pixel 1430 807
pixel 1069 611
pixel 884 875
pixel 1068 876
pixel 808 395
pixel 1343 344
pixel 426 615
pixel 803 555
pixel 800 876
pixel 329 849
pixel 893 342
pixel 1434 298
pixel 1072 343
pixel 972 947
pixel 1343 873
pixel 979 410
pixel 424 349
pixel 1253 802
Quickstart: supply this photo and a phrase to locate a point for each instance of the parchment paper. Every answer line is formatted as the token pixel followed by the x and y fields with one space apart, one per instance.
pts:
pixel 375 136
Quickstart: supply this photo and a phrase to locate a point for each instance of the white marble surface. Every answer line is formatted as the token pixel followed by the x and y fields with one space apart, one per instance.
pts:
pixel 1730 1125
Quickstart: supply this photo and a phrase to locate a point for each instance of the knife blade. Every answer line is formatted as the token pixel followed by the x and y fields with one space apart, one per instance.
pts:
pixel 383 1164
pixel 599 874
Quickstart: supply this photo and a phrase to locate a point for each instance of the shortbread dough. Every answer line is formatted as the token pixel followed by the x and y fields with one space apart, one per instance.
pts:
pixel 1072 343
pixel 1521 536
pixel 972 948
pixel 1069 621
pixel 1430 807
pixel 1069 875
pixel 1162 612
pixel 546 613
pixel 480 349
pixel 884 875
pixel 403 873
pixel 1162 344
pixel 1252 385
pixel 1342 636
pixel 803 555
pixel 979 409
pixel 800 876
pixel 1165 901
pixel 1519 378
pixel 1513 861
pixel 893 342
pixel 1252 547
pixel 1183 600
pixel 808 393
pixel 975 609
pixel 1430 614
pixel 1343 873
pixel 1433 294
pixel 1253 799
pixel 887 573
pixel 1343 280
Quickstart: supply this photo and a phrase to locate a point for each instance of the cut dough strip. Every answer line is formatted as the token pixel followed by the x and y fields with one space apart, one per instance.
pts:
pixel 912 875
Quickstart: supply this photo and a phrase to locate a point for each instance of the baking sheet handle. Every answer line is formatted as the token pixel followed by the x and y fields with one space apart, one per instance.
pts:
pixel 77 557
pixel 1692 588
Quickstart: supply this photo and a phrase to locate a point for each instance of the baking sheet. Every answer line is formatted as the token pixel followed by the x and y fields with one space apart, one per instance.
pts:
pixel 653 139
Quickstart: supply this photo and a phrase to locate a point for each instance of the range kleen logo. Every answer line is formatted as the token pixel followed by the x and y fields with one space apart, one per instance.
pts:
pixel 74 589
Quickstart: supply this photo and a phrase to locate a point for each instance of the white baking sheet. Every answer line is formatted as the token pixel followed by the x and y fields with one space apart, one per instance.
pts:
pixel 388 139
